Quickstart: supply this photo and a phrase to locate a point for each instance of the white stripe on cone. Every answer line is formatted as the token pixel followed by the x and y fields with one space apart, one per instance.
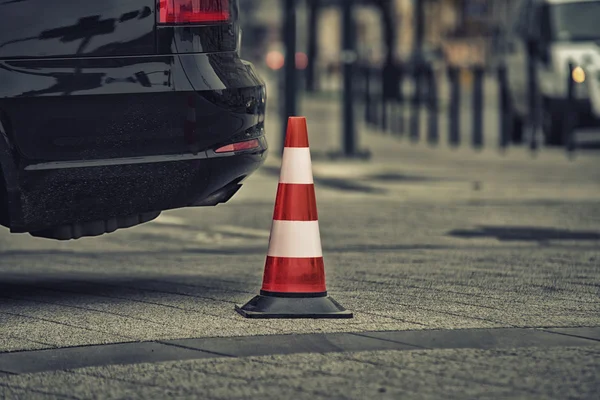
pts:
pixel 295 239
pixel 296 166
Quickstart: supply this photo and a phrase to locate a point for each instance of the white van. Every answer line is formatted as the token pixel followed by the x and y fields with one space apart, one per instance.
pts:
pixel 561 31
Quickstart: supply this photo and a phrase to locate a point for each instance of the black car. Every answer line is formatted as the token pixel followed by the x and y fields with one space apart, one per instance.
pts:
pixel 112 111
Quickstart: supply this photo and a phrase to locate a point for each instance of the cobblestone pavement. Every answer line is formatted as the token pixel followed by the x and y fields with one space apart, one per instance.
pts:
pixel 415 239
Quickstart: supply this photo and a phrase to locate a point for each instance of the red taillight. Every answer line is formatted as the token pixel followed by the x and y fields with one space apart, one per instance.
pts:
pixel 247 145
pixel 193 11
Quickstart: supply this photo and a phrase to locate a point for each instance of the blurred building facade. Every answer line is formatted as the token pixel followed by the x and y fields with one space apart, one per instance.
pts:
pixel 462 32
pixel 456 31
pixel 467 31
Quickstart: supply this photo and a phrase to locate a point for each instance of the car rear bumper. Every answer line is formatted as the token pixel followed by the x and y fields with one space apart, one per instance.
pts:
pixel 81 194
pixel 90 139
pixel 90 193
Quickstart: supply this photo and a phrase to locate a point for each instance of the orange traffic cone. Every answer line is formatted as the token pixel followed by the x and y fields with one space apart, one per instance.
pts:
pixel 294 276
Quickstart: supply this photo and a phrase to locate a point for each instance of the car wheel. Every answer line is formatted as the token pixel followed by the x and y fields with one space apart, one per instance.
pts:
pixel 552 125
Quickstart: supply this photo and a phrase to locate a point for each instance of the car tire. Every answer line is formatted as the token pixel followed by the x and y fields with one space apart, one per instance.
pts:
pixel 553 124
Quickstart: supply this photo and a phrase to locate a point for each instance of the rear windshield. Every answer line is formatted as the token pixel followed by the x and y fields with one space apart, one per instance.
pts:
pixel 576 21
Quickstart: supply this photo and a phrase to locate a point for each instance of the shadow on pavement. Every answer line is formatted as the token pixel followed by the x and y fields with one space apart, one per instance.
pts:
pixel 346 185
pixel 503 234
pixel 395 177
pixel 508 233
pixel 229 251
pixel 118 288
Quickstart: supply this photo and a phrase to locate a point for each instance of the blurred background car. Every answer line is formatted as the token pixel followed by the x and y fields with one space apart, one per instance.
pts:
pixel 113 111
pixel 556 33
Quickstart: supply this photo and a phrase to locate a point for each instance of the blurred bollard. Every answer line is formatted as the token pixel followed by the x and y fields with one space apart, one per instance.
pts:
pixel 393 107
pixel 454 112
pixel 348 58
pixel 313 17
pixel 377 96
pixel 535 103
pixel 401 100
pixel 348 61
pixel 477 107
pixel 570 119
pixel 432 131
pixel 389 91
pixel 367 94
pixel 289 70
pixel 383 102
pixel 415 116
pixel 505 112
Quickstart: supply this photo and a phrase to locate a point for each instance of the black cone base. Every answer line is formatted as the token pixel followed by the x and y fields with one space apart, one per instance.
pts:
pixel 293 307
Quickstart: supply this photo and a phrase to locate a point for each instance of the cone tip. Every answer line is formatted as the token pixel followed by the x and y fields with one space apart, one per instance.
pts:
pixel 298 118
pixel 297 132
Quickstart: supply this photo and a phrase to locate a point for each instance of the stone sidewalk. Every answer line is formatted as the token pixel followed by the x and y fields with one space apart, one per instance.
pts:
pixel 418 238
pixel 531 373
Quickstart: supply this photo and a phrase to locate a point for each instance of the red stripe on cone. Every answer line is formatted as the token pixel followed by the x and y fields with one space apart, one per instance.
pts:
pixel 294 275
pixel 295 202
pixel 297 132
